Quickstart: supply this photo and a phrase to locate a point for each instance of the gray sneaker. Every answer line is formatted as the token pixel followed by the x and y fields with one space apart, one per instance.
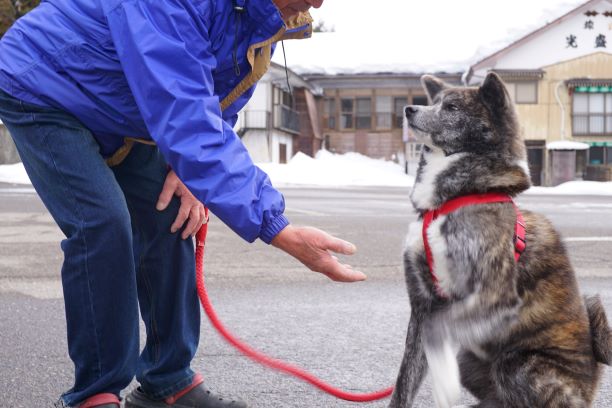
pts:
pixel 194 396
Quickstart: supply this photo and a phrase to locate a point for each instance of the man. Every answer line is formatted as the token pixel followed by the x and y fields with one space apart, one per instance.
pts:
pixel 90 82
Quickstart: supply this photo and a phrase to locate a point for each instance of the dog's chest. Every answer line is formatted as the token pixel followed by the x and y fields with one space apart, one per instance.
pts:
pixel 415 255
pixel 433 163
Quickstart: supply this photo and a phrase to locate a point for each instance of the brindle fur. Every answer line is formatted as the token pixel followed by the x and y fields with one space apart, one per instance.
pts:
pixel 526 338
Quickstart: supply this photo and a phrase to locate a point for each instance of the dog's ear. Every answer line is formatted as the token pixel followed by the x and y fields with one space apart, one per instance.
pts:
pixel 493 93
pixel 433 86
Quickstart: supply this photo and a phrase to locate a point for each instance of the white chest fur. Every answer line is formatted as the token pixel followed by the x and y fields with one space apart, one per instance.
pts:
pixel 423 193
pixel 437 242
pixel 439 253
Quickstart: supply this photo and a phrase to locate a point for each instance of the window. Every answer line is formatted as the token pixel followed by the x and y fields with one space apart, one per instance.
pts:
pixel 346 117
pixel 285 117
pixel 596 155
pixel 384 113
pixel 329 113
pixel 523 92
pixel 600 153
pixel 420 100
pixel 282 153
pixel 399 104
pixel 364 113
pixel 591 113
pixel 282 97
pixel 356 113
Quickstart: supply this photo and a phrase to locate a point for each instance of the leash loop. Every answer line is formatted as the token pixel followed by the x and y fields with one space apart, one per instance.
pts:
pixel 258 356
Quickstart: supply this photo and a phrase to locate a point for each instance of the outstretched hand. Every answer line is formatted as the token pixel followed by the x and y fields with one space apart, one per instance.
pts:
pixel 312 247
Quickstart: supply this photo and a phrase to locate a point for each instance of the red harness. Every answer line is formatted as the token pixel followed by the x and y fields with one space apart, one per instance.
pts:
pixel 455 204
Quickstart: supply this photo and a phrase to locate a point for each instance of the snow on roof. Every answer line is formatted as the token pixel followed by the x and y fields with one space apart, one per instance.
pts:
pixel 566 145
pixel 409 50
pixel 335 54
pixel 518 32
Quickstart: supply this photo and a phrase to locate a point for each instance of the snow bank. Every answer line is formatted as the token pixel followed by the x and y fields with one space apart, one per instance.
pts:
pixel 575 188
pixel 566 145
pixel 347 170
pixel 328 169
pixel 13 174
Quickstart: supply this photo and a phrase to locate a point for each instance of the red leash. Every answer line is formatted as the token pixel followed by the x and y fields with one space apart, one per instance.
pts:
pixel 257 355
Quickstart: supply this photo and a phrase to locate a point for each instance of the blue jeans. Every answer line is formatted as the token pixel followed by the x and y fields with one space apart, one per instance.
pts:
pixel 119 254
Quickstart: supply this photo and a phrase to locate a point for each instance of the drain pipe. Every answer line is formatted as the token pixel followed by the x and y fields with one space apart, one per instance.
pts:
pixel 558 98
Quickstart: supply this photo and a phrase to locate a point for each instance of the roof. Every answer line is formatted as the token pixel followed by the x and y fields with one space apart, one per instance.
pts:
pixel 417 37
pixel 339 54
pixel 506 45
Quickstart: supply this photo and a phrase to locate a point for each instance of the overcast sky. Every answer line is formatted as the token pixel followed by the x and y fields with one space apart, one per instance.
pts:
pixel 452 25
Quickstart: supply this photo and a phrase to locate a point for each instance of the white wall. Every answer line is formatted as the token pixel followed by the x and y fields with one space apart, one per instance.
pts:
pixel 261 99
pixel 550 46
pixel 256 142
pixel 278 138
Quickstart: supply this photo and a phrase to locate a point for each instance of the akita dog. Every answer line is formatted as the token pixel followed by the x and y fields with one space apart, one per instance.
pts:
pixel 504 320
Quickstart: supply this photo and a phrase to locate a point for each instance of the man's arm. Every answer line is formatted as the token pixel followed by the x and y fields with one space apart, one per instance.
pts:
pixel 167 59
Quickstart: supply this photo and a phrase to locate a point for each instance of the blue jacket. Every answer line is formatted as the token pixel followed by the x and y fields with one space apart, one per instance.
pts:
pixel 161 70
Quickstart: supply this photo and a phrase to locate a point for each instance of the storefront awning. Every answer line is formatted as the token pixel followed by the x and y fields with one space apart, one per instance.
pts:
pixel 602 85
pixel 519 74
pixel 600 144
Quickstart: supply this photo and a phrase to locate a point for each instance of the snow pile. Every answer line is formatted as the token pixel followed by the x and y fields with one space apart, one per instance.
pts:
pixel 13 174
pixel 566 145
pixel 576 188
pixel 347 170
pixel 328 169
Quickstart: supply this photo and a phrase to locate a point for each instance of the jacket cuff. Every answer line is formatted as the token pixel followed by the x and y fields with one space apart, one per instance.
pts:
pixel 273 228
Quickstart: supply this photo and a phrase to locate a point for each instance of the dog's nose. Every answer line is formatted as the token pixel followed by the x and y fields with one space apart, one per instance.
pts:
pixel 410 110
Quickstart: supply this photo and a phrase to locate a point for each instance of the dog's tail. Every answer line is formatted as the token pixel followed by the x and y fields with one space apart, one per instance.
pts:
pixel 600 330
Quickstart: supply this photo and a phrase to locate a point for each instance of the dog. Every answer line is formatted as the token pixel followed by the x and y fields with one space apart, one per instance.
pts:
pixel 514 333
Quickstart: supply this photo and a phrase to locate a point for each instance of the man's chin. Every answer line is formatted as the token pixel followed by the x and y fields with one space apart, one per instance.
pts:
pixel 289 12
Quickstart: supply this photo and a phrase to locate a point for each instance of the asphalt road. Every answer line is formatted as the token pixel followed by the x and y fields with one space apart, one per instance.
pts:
pixel 351 335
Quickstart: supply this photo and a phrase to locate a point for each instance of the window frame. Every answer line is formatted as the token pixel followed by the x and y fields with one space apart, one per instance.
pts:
pixel 347 112
pixel 606 115
pixel 378 113
pixel 327 115
pixel 357 114
pixel 511 87
pixel 398 116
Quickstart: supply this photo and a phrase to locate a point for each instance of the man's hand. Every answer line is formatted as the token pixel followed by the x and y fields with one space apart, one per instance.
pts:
pixel 311 246
pixel 190 208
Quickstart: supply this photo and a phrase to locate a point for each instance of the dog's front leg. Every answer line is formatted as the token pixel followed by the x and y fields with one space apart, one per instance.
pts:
pixel 413 368
pixel 439 347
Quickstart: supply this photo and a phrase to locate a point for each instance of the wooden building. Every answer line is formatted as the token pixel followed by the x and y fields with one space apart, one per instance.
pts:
pixel 560 77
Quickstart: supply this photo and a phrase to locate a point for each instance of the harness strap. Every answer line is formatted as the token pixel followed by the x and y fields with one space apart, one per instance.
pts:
pixel 455 204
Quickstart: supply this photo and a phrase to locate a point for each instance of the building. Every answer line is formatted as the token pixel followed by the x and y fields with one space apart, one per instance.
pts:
pixel 363 113
pixel 560 77
pixel 364 86
pixel 8 152
pixel 281 118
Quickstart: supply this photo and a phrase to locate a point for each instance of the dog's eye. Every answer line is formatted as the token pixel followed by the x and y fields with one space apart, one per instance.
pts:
pixel 450 106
